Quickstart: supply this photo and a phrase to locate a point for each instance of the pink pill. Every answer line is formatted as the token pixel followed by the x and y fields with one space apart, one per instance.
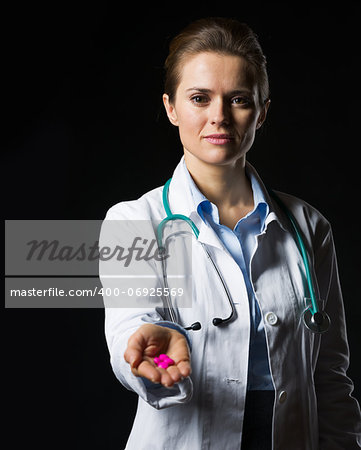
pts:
pixel 163 361
pixel 163 365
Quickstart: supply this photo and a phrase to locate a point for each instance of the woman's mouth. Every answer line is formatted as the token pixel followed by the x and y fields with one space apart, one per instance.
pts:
pixel 219 139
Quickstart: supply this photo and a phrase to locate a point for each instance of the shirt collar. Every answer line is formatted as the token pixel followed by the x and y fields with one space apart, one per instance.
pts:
pixel 260 202
pixel 202 205
pixel 198 197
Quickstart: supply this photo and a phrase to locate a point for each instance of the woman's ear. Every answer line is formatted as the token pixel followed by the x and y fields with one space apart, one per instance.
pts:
pixel 263 114
pixel 171 112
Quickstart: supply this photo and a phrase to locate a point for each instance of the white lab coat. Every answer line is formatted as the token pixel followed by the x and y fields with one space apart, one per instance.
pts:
pixel 313 408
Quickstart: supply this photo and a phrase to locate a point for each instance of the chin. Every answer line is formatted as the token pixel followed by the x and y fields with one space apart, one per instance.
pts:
pixel 218 155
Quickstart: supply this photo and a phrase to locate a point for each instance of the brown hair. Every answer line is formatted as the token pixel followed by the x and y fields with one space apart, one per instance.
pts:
pixel 220 35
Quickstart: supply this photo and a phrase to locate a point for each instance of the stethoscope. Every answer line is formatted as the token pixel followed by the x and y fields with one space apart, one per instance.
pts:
pixel 315 320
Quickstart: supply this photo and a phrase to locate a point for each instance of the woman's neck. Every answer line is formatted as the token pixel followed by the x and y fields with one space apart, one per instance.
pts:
pixel 227 186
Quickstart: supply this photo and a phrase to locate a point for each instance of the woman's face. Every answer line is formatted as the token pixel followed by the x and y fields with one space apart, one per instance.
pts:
pixel 216 108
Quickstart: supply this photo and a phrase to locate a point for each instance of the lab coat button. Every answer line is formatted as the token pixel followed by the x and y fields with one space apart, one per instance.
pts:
pixel 282 396
pixel 271 318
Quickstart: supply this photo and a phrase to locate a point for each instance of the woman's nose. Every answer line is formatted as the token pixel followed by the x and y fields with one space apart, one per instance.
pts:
pixel 219 113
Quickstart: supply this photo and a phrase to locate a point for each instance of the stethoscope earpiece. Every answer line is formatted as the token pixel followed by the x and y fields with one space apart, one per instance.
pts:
pixel 197 326
pixel 217 321
pixel 194 327
pixel 319 322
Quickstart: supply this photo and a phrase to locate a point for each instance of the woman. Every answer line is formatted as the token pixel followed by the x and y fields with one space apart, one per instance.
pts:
pixel 262 379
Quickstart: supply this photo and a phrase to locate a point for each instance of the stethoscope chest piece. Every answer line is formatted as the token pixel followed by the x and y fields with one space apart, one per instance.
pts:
pixel 319 322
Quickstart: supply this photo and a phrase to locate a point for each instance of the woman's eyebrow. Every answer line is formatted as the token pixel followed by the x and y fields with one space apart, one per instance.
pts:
pixel 231 93
pixel 204 90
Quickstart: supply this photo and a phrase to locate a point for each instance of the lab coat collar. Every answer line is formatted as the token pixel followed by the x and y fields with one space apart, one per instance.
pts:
pixel 181 202
pixel 274 213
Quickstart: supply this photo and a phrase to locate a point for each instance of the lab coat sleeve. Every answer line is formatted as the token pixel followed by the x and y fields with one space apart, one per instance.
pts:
pixel 338 412
pixel 122 322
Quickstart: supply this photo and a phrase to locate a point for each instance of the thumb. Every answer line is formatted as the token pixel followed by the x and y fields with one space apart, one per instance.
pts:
pixel 135 349
pixel 134 354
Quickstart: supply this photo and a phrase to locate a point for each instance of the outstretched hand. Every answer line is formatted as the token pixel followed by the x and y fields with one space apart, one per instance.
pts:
pixel 149 341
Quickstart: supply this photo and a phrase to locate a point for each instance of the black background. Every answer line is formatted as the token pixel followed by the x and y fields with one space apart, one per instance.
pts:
pixel 84 128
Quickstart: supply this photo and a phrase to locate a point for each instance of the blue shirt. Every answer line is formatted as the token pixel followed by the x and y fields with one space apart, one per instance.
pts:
pixel 241 244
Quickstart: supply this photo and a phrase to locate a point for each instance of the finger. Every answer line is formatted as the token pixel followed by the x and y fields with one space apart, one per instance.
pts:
pixel 134 352
pixel 178 349
pixel 184 368
pixel 133 356
pixel 154 374
pixel 147 370
pixel 166 378
pixel 175 373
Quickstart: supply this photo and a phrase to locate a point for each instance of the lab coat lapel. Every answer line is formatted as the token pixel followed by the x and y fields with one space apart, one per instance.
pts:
pixel 181 202
pixel 274 211
pixel 208 236
pixel 180 196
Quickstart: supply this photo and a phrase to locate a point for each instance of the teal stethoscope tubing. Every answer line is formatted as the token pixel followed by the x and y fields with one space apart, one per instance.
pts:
pixel 171 216
pixel 302 249
pixel 316 321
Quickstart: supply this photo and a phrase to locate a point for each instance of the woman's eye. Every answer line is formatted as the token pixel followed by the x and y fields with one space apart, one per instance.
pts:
pixel 199 99
pixel 240 101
